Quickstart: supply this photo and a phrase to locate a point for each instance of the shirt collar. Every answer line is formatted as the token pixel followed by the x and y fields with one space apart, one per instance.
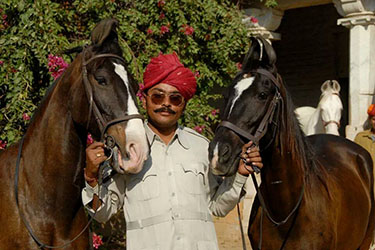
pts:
pixel 179 135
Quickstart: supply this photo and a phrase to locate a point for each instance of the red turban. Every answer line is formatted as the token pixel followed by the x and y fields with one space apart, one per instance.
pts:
pixel 168 69
pixel 371 110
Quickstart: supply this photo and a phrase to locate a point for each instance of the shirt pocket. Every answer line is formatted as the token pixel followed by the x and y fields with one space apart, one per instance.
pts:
pixel 144 186
pixel 193 178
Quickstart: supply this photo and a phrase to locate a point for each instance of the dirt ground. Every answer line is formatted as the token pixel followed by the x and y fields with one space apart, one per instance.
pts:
pixel 229 233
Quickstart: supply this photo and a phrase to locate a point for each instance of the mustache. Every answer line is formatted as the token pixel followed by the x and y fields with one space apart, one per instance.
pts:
pixel 165 109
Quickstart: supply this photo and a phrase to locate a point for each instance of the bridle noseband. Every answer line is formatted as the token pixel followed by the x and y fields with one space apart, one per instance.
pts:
pixel 107 139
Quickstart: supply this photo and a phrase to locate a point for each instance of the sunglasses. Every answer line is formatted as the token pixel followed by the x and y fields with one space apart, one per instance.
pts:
pixel 158 98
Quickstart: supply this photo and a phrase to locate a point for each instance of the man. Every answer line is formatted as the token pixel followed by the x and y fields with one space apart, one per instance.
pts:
pixel 367 138
pixel 168 205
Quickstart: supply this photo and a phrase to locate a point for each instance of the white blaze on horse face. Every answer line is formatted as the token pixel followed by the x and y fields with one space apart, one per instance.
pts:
pixel 215 157
pixel 136 141
pixel 240 87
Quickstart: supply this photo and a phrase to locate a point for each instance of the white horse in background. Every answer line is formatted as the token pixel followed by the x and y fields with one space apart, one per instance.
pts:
pixel 326 117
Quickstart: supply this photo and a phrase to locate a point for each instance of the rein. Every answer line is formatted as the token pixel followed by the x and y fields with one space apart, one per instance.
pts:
pixel 108 139
pixel 255 138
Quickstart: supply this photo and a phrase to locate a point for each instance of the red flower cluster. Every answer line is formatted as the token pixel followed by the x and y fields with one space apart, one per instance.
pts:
pixel 188 30
pixel 89 139
pixel 56 65
pixel 139 93
pixel 199 129
pixel 161 3
pixel 162 16
pixel 253 20
pixel 164 29
pixel 150 31
pixel 1 63
pixel 3 144
pixel 214 112
pixel 239 65
pixel 5 22
pixel 25 117
pixel 96 240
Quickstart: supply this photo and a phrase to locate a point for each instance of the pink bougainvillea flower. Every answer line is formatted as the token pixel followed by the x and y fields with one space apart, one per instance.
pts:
pixel 188 30
pixel 139 93
pixel 56 65
pixel 199 129
pixel 164 29
pixel 25 117
pixel 196 74
pixel 161 16
pixel 4 17
pixel 13 70
pixel 253 20
pixel 3 144
pixel 96 240
pixel 89 140
pixel 161 3
pixel 1 63
pixel 150 31
pixel 239 65
pixel 214 112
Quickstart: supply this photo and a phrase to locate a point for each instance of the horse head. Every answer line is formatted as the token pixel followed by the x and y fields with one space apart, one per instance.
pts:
pixel 246 103
pixel 331 106
pixel 104 98
pixel 257 108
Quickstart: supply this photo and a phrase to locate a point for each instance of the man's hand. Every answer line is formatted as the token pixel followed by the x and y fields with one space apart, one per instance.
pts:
pixel 94 156
pixel 252 156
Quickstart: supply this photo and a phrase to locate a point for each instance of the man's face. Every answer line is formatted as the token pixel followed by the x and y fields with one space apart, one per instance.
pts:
pixel 372 122
pixel 164 105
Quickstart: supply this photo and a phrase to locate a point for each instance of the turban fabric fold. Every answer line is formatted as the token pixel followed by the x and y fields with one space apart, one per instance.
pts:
pixel 168 69
pixel 371 110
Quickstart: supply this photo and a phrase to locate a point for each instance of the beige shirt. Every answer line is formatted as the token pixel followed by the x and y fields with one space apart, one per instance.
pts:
pixel 168 205
pixel 364 139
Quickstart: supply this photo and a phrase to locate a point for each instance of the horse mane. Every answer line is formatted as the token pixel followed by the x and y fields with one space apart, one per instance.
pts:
pixel 291 138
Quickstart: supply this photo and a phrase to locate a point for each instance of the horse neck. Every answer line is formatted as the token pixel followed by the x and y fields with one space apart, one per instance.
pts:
pixel 315 124
pixel 282 181
pixel 54 146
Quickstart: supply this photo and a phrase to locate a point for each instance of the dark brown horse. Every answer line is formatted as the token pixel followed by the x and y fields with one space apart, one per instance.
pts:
pixel 316 192
pixel 95 94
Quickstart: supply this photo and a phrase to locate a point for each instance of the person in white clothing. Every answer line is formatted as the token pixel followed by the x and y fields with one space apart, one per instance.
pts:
pixel 169 203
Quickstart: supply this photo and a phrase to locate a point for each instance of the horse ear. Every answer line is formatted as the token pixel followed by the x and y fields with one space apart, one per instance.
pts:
pixel 336 86
pixel 325 86
pixel 104 31
pixel 260 53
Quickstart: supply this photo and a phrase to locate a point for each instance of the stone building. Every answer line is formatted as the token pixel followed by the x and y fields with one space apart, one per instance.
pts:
pixel 318 40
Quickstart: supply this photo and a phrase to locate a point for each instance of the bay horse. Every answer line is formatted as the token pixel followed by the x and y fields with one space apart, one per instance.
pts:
pixel 316 192
pixel 95 94
pixel 325 118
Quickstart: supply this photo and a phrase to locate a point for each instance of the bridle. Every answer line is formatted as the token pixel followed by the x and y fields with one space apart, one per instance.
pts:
pixel 108 140
pixel 269 117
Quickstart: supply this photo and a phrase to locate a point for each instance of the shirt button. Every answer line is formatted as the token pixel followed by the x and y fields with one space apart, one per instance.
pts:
pixel 178 238
pixel 169 173
pixel 173 194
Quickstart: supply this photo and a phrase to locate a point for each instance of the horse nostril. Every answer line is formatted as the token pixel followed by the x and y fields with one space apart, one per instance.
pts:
pixel 225 152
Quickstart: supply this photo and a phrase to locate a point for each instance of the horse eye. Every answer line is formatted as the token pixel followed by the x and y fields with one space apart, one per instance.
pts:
pixel 101 80
pixel 262 96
